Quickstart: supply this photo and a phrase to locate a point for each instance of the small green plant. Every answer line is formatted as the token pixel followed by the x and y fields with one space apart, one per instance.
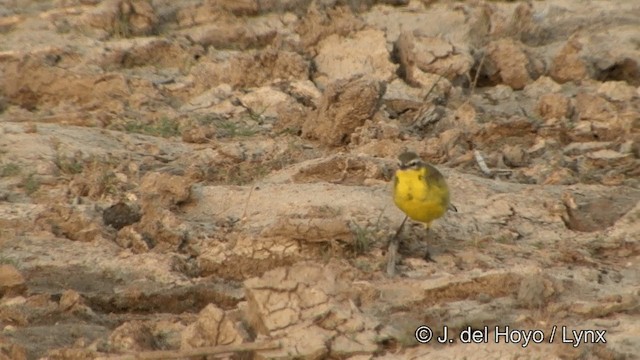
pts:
pixel 363 239
pixel 31 184
pixel 8 261
pixel 242 175
pixel 108 182
pixel 504 239
pixel 63 27
pixel 539 245
pixel 9 169
pixel 208 119
pixel 121 27
pixel 163 128
pixel 257 115
pixel 232 129
pixel 167 127
pixel 68 165
pixel 364 265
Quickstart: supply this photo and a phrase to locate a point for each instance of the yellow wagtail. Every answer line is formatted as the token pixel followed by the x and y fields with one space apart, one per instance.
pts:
pixel 421 192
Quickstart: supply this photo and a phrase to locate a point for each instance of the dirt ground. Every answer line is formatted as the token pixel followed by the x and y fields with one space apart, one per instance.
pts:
pixel 180 176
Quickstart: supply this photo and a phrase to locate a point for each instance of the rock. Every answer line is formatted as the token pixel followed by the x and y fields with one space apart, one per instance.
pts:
pixel 615 303
pixel 73 222
pixel 398 91
pixel 242 7
pixel 515 156
pixel 507 63
pixel 72 353
pixel 123 18
pixel 29 81
pixel 131 336
pixel 130 53
pixel 229 33
pixel 120 215
pixel 568 65
pixel 553 106
pixel 69 299
pixel 617 91
pixel 198 134
pixel 363 53
pixel 542 86
pixel 578 148
pixel 304 342
pixel 12 282
pixel 620 338
pixel 250 68
pixel 304 91
pixel 128 237
pixel 561 176
pixel 345 105
pixel 593 107
pixel 320 23
pixel 268 103
pixel 421 55
pixel 164 190
pixel 213 327
pixel 534 291
pixel 606 154
pixel 158 227
pixel 597 213
pixel 13 352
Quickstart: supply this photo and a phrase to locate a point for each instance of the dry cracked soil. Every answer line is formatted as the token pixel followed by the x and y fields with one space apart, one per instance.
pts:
pixel 180 178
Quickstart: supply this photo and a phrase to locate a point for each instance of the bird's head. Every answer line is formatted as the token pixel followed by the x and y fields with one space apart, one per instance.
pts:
pixel 409 160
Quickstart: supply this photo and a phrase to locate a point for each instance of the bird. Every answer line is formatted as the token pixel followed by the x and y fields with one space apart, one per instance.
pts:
pixel 421 192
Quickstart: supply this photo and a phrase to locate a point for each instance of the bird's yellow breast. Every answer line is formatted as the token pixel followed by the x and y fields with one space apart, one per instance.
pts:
pixel 422 200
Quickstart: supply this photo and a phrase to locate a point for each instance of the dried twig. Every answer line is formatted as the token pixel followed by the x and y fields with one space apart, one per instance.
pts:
pixel 203 351
pixel 483 165
pixel 475 78
pixel 246 203
pixel 440 76
pixel 485 169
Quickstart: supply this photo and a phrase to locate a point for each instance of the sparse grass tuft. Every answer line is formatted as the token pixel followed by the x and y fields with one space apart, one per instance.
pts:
pixel 31 184
pixel 163 128
pixel 10 169
pixel 121 27
pixel 232 129
pixel 68 165
pixel 364 265
pixel 242 175
pixel 363 240
pixel 108 182
pixel 504 239
pixel 5 260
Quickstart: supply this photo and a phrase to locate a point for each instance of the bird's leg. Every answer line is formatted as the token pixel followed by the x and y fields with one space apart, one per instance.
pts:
pixel 427 255
pixel 392 253
pixel 400 228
